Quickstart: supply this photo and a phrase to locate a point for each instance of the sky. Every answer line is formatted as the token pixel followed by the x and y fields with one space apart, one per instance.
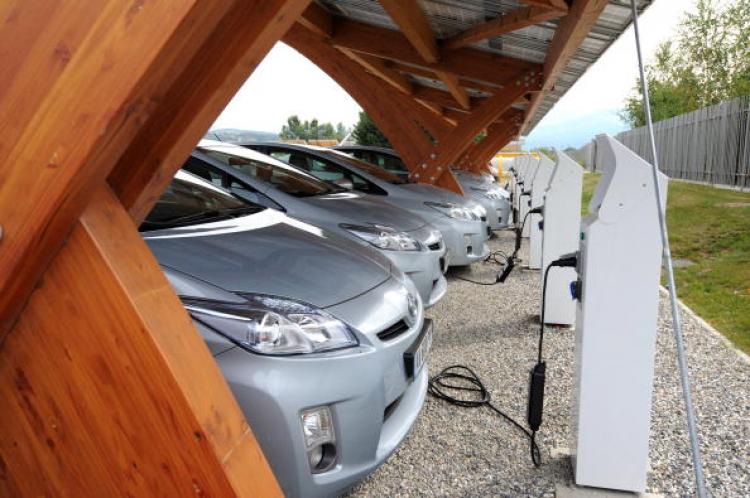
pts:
pixel 286 83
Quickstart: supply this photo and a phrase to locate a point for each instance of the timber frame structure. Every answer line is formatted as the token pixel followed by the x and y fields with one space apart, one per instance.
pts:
pixel 107 388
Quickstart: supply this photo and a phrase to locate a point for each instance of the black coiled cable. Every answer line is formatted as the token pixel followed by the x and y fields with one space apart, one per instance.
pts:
pixel 460 378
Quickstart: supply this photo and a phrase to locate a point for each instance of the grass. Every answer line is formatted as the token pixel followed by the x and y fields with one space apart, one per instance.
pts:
pixel 709 227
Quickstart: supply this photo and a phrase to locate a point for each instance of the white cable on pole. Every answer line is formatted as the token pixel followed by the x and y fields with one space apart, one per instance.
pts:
pixel 676 319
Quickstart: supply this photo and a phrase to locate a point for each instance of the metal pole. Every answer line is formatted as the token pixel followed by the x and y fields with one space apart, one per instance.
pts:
pixel 676 319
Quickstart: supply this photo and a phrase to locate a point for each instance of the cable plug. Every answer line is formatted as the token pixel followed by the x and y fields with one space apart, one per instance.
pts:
pixel 568 260
pixel 537 210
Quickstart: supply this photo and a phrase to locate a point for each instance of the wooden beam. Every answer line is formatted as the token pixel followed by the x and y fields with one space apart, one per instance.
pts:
pixel 379 68
pixel 466 62
pixel 426 73
pixel 506 23
pixel 387 106
pixel 570 33
pixel 408 15
pixel 107 388
pixel 549 4
pixel 196 95
pixel 317 19
pixel 103 80
pixel 441 97
pixel 415 25
pixel 450 147
pixel 456 90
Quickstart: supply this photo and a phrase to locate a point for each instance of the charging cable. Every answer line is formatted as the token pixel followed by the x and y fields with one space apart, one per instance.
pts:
pixel 452 381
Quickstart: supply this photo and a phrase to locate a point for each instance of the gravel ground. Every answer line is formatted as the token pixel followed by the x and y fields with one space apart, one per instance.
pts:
pixel 471 452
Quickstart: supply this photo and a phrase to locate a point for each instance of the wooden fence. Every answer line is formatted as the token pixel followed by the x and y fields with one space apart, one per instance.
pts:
pixel 710 145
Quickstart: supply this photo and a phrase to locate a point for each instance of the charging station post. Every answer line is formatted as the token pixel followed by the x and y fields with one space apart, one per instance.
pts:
pixel 562 222
pixel 525 197
pixel 538 191
pixel 619 266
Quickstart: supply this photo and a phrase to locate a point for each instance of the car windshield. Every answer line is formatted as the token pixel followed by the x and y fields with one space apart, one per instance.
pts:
pixel 189 200
pixel 285 178
pixel 366 167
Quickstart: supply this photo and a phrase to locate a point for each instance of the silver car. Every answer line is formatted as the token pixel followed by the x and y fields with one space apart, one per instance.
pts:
pixel 486 190
pixel 322 341
pixel 497 207
pixel 413 245
pixel 460 222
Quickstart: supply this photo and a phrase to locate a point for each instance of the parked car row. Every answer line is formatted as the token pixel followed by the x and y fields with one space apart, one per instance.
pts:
pixel 307 273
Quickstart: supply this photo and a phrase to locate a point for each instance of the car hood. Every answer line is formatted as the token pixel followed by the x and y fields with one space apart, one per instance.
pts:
pixel 271 253
pixel 433 194
pixel 367 210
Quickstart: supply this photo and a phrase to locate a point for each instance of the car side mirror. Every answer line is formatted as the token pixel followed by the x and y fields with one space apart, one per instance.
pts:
pixel 344 183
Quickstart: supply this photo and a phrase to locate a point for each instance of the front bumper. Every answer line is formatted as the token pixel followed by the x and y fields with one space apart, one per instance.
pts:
pixel 372 401
pixel 464 240
pixel 425 268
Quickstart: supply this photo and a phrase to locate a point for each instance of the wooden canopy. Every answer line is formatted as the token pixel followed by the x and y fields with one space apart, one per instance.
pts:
pixel 107 388
pixel 431 97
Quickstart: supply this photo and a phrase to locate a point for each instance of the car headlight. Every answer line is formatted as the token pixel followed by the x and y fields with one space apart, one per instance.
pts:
pixel 490 194
pixel 384 237
pixel 479 211
pixel 453 210
pixel 273 325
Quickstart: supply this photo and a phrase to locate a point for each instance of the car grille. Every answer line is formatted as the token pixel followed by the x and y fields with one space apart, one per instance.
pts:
pixel 434 247
pixel 391 408
pixel 393 331
pixel 484 218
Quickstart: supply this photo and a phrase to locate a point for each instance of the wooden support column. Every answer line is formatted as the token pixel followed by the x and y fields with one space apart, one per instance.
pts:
pixel 476 158
pixel 108 388
pixel 449 148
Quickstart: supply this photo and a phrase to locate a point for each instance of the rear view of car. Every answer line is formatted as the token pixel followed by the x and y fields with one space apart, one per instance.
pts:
pixel 322 342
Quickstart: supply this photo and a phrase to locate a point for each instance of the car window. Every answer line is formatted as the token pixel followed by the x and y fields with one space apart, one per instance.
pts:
pixel 333 173
pixel 249 193
pixel 288 180
pixel 367 167
pixel 203 170
pixel 280 155
pixel 187 200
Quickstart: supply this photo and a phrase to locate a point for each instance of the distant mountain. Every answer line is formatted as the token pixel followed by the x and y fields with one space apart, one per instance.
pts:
pixel 576 131
pixel 236 134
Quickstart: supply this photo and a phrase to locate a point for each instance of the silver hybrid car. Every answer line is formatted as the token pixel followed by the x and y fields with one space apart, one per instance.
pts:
pixel 461 222
pixel 495 203
pixel 322 341
pixel 412 244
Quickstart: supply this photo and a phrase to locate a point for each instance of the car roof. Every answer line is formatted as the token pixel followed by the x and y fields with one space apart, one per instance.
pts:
pixel 374 148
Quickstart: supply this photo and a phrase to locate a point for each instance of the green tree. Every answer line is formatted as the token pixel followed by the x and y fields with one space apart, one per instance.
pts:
pixel 366 132
pixel 294 129
pixel 707 63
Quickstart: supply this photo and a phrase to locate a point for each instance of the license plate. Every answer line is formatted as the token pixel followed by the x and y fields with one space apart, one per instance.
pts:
pixel 416 356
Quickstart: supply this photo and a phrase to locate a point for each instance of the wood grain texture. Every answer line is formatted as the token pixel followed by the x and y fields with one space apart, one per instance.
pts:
pixel 408 15
pixel 108 390
pixel 506 23
pixel 74 98
pixel 389 44
pixel 205 81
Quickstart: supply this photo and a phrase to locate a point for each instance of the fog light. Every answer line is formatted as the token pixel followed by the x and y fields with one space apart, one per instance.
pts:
pixel 320 436
pixel 317 426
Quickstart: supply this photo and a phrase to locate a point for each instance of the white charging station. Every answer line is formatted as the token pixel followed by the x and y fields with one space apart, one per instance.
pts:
pixel 519 168
pixel 562 222
pixel 538 190
pixel 619 268
pixel 528 181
